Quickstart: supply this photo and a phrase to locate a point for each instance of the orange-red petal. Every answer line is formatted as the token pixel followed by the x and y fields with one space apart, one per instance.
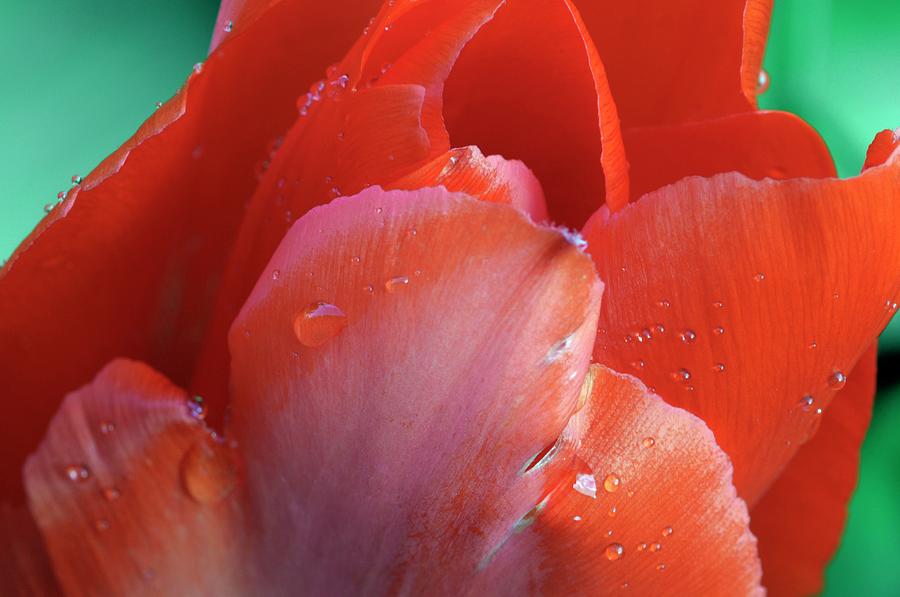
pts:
pixel 531 86
pixel 757 144
pixel 800 519
pixel 671 62
pixel 747 302
pixel 130 262
pixel 648 508
pixel 466 170
pixel 380 460
pixel 127 489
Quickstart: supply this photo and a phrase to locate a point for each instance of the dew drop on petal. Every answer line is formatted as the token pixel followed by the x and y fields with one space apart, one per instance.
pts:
pixel 837 380
pixel 396 283
pixel 276 274
pixel 762 82
pixel 612 511
pixel 660 567
pixel 318 323
pixel 688 336
pixel 107 427
pixel 196 408
pixel 719 367
pixel 208 471
pixel 614 551
pixel 648 442
pixel 641 546
pixel 718 331
pixel 682 376
pixel 759 277
pixel 667 531
pixel 111 494
pixel 229 25
pixel 654 547
pixel 611 483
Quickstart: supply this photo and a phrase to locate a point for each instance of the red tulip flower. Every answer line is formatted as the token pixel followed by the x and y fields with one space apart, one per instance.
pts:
pixel 419 381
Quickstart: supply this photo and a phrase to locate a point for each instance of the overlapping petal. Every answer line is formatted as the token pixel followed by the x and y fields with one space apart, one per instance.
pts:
pixel 673 62
pixel 747 302
pixel 128 491
pixel 759 145
pixel 459 337
pixel 648 507
pixel 130 262
pixel 379 117
pixel 800 519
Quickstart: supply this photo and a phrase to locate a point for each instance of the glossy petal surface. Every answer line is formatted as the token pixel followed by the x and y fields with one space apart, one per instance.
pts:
pixel 757 144
pixel 740 300
pixel 126 490
pixel 648 507
pixel 800 519
pixel 381 460
pixel 137 251
pixel 671 62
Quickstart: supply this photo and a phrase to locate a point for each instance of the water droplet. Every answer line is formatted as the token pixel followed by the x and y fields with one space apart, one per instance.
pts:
pixel 76 179
pixel 718 331
pixel 101 525
pixel 812 345
pixel 719 305
pixel 644 335
pixel 111 494
pixel 356 260
pixel 611 483
pixel 196 408
pixel 762 82
pixel 759 277
pixel 641 546
pixel 648 442
pixel 806 403
pixel 228 26
pixel 395 284
pixel 48 207
pixel 559 349
pixel 682 376
pixel 198 66
pixel 77 473
pixel 612 511
pixel 208 471
pixel 158 105
pixel 663 304
pixel 318 323
pixel 614 551
pixel 638 364
pixel 60 196
pixel 276 274
pixel 370 289
pixel 106 427
pixel 576 518
pixel 660 328
pixel 688 336
pixel 719 367
pixel 378 210
pixel 660 567
pixel 654 547
pixel 837 380
pixel 585 484
pixel 667 531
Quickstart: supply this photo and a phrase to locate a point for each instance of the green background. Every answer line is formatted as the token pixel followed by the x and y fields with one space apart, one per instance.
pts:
pixel 79 77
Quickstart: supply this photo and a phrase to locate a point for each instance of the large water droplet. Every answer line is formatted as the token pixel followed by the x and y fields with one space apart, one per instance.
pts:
pixel 611 483
pixel 318 323
pixel 585 484
pixel 208 471
pixel 614 551
pixel 837 380
pixel 77 473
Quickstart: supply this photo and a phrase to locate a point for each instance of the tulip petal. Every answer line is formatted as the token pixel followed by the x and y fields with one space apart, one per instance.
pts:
pixel 24 566
pixel 649 508
pixel 137 250
pixel 747 302
pixel 531 86
pixel 389 90
pixel 402 359
pixel 756 144
pixel 671 62
pixel 126 491
pixel 800 519
pixel 466 170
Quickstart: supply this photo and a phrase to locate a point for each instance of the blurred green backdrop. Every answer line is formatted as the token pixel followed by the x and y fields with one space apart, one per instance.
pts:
pixel 78 77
